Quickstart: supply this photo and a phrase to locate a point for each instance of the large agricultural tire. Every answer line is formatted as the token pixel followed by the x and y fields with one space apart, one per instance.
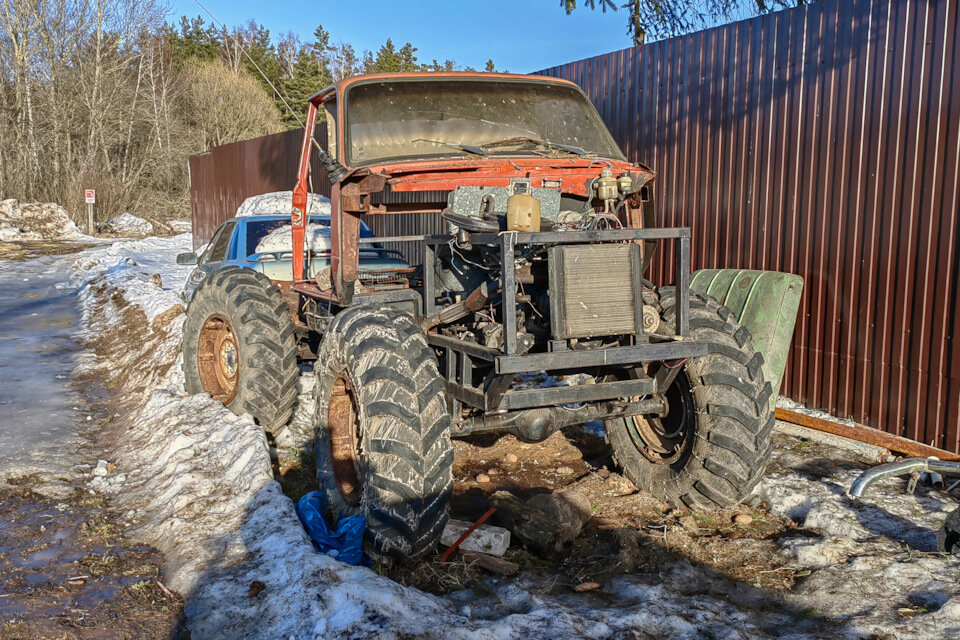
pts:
pixel 712 447
pixel 382 426
pixel 240 347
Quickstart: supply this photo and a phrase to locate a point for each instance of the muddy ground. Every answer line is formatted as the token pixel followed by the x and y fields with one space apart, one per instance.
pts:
pixel 68 571
pixel 629 532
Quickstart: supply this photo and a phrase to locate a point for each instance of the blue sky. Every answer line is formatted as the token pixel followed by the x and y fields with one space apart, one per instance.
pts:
pixel 520 35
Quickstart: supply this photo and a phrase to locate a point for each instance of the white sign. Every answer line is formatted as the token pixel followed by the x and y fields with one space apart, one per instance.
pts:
pixel 89 196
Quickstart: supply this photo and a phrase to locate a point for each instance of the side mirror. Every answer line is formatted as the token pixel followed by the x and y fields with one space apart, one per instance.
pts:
pixel 186 259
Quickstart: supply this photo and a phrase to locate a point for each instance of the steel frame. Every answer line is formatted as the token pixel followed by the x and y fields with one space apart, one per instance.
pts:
pixel 492 395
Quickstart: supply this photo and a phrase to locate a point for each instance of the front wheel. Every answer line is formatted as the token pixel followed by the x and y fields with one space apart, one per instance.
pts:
pixel 239 346
pixel 711 448
pixel 383 431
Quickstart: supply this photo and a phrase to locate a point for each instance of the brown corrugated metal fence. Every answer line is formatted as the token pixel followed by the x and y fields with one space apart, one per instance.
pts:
pixel 222 178
pixel 822 141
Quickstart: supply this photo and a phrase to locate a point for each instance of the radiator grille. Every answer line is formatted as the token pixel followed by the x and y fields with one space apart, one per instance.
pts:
pixel 594 290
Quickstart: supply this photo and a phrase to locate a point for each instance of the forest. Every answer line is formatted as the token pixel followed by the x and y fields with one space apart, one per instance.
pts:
pixel 116 95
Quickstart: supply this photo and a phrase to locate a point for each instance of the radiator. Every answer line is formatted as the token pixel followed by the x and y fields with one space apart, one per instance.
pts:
pixel 595 290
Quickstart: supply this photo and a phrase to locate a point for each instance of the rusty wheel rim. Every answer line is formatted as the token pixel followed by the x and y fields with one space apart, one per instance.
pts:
pixel 218 358
pixel 664 439
pixel 343 421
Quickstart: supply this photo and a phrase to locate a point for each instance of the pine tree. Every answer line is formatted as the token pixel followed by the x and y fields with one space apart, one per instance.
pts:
pixel 194 40
pixel 389 59
pixel 306 78
pixel 263 59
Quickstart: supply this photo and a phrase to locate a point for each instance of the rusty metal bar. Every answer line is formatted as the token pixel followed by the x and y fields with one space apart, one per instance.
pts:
pixel 863 433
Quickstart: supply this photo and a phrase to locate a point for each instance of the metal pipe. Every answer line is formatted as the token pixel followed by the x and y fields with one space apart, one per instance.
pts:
pixel 474 302
pixel 901 468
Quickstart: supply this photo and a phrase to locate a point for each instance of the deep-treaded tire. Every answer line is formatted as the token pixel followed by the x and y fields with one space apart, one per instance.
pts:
pixel 383 431
pixel 239 346
pixel 720 418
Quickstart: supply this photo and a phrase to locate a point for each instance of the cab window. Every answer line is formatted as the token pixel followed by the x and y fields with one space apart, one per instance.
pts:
pixel 222 243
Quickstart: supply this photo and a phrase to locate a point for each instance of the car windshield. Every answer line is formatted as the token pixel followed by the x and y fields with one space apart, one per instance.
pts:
pixel 257 230
pixel 399 120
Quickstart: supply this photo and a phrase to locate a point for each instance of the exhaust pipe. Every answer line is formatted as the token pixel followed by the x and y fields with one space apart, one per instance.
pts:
pixel 910 466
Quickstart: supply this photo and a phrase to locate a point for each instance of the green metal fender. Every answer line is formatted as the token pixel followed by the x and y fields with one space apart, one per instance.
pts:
pixel 766 303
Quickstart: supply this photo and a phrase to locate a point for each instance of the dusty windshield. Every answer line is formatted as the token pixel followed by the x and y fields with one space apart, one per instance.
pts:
pixel 403 120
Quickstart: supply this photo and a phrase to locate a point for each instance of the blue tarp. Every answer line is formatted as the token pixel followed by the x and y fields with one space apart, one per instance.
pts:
pixel 345 543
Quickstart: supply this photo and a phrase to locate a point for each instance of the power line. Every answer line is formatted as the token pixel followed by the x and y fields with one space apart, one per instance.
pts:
pixel 283 98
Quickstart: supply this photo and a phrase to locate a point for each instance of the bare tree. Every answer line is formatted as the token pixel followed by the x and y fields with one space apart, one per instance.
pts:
pixel 90 97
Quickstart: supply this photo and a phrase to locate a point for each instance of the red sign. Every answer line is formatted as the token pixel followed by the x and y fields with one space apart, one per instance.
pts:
pixel 90 196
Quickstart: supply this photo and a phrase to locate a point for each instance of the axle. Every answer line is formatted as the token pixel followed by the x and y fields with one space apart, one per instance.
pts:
pixel 534 425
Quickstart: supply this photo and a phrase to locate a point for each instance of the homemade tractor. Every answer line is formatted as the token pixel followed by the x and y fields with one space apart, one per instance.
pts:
pixel 540 276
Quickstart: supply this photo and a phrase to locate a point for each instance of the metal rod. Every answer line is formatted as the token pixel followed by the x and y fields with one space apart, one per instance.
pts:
pixel 428 273
pixel 377 239
pixel 509 294
pixel 863 433
pixel 577 237
pixel 683 287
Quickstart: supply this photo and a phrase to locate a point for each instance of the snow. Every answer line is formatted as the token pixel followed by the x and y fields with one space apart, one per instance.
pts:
pixel 32 221
pixel 317 238
pixel 281 203
pixel 200 488
pixel 128 224
pixel 180 226
pixel 128 267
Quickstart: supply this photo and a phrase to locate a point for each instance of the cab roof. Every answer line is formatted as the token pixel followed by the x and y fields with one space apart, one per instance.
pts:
pixel 326 93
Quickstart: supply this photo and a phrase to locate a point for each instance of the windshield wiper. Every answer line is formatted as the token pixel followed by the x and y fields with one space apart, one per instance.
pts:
pixel 569 148
pixel 469 148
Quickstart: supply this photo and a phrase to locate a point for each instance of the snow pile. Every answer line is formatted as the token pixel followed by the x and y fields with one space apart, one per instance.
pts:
pixel 129 225
pixel 280 240
pixel 180 226
pixel 200 488
pixel 36 221
pixel 281 203
pixel 132 312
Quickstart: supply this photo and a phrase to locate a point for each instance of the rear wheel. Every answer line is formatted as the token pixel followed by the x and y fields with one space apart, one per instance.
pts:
pixel 239 346
pixel 382 431
pixel 712 446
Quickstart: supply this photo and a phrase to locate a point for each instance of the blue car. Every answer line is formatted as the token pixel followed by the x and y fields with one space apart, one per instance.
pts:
pixel 262 243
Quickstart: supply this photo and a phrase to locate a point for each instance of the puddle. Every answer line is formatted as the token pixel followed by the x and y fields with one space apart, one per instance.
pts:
pixel 37 320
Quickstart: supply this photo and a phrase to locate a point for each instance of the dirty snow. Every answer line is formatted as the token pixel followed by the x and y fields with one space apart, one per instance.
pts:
pixel 317 238
pixel 180 226
pixel 31 221
pixel 281 203
pixel 199 487
pixel 128 224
